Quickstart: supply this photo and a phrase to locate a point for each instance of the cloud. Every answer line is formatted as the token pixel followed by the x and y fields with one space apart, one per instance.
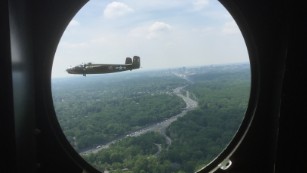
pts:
pixel 230 27
pixel 200 4
pixel 138 32
pixel 73 23
pixel 158 28
pixel 116 9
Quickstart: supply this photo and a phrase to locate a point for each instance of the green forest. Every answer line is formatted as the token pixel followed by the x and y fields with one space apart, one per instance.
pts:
pixel 96 110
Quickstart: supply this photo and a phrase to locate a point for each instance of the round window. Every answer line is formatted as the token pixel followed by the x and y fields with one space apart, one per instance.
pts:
pixel 155 86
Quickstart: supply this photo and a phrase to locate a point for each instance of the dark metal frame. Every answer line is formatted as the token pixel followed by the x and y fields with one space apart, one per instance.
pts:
pixel 269 140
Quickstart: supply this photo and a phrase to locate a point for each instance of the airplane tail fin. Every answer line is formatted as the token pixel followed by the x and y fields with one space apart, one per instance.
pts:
pixel 128 60
pixel 136 62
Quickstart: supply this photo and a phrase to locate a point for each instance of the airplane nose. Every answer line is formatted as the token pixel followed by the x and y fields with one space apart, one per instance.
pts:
pixel 68 70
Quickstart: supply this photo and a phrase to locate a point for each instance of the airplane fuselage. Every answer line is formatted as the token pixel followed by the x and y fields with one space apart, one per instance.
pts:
pixel 90 68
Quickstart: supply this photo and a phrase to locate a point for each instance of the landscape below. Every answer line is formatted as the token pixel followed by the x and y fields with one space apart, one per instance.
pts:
pixel 163 121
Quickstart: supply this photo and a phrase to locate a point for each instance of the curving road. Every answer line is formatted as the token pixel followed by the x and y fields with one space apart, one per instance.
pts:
pixel 158 127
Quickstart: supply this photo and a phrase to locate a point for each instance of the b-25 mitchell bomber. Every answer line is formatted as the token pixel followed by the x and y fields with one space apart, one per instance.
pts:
pixel 90 68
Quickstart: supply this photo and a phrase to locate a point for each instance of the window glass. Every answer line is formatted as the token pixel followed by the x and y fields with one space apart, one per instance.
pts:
pixel 176 112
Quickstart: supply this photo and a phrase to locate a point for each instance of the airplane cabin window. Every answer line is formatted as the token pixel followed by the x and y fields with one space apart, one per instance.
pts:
pixel 155 86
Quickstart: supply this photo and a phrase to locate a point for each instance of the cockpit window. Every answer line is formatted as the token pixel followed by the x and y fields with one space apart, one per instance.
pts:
pixel 177 110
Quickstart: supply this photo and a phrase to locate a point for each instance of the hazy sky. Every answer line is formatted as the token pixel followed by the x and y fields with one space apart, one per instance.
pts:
pixel 165 34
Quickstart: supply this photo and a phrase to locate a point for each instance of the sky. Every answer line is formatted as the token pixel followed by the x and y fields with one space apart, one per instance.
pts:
pixel 164 34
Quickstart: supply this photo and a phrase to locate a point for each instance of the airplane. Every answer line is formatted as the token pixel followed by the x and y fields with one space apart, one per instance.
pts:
pixel 90 68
